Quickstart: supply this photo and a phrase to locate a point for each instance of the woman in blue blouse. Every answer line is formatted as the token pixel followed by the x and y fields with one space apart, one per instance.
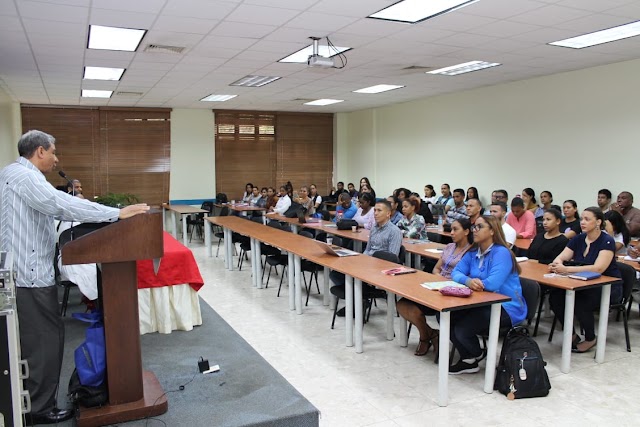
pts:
pixel 489 266
pixel 592 250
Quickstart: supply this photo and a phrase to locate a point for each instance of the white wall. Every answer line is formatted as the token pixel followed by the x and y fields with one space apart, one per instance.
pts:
pixel 571 133
pixel 192 154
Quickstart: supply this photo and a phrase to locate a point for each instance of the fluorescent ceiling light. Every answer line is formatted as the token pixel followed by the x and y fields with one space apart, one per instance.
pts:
pixel 103 73
pixel 466 67
pixel 413 11
pixel 603 36
pixel 324 102
pixel 377 88
pixel 254 81
pixel 218 98
pixel 113 38
pixel 303 55
pixel 96 93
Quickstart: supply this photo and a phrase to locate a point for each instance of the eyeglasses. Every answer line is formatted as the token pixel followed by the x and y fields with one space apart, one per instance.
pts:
pixel 500 196
pixel 478 227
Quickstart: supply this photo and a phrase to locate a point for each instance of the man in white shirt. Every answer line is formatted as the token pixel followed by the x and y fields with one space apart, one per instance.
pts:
pixel 499 210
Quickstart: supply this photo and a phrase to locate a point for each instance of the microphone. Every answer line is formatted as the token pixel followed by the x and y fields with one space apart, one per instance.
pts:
pixel 73 188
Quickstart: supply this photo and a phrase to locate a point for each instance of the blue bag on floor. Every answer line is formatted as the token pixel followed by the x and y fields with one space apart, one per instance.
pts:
pixel 90 357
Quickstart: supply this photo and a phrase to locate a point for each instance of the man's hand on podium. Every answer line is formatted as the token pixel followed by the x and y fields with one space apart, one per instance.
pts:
pixel 132 210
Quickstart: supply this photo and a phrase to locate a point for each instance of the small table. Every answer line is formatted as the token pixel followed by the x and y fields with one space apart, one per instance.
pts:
pixel 183 210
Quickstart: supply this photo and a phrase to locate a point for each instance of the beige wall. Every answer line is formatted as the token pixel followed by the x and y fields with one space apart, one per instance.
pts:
pixel 571 133
pixel 192 154
pixel 10 129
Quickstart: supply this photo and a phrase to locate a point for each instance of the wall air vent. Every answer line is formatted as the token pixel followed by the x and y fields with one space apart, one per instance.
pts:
pixel 128 93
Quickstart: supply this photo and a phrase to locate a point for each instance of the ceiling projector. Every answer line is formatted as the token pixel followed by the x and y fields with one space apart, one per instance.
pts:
pixel 320 61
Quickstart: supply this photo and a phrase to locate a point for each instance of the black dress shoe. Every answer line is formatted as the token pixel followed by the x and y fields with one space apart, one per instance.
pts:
pixel 52 417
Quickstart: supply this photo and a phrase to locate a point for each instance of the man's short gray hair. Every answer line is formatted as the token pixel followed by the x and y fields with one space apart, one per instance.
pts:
pixel 30 141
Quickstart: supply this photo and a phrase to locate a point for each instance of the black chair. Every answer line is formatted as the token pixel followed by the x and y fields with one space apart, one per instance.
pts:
pixel 628 274
pixel 65 237
pixel 219 233
pixel 276 259
pixel 369 293
pixel 544 293
pixel 196 222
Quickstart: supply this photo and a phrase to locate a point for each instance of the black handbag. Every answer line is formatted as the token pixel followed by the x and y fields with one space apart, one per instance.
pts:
pixel 293 210
pixel 346 224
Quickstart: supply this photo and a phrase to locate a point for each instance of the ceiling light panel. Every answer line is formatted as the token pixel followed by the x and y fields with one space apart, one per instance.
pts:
pixel 599 37
pixel 377 89
pixel 320 102
pixel 463 68
pixel 114 38
pixel 103 73
pixel 218 98
pixel 254 81
pixel 413 11
pixel 87 93
pixel 303 55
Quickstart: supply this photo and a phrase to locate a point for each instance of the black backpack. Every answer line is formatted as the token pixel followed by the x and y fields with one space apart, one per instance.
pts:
pixel 86 396
pixel 521 371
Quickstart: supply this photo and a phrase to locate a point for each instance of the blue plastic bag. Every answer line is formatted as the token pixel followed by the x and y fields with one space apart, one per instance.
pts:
pixel 91 356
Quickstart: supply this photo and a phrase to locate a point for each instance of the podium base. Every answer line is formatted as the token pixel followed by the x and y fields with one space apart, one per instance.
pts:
pixel 153 403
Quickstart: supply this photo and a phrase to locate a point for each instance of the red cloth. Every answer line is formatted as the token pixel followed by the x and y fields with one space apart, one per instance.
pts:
pixel 176 268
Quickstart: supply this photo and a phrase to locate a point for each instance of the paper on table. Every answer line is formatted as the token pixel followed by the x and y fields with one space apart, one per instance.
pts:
pixel 435 251
pixel 522 259
pixel 436 286
pixel 628 258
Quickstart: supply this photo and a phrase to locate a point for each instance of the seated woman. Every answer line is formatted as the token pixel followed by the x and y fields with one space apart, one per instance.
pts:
pixel 424 211
pixel 255 196
pixel 593 250
pixel 570 224
pixel 412 225
pixel 284 202
pixel 429 195
pixel 306 201
pixel 271 199
pixel 616 226
pixel 472 193
pixel 530 203
pixel 367 189
pixel 364 214
pixel 248 192
pixel 548 245
pixel 488 266
pixel 345 209
pixel 262 202
pixel 415 313
pixel 313 195
pixel 395 213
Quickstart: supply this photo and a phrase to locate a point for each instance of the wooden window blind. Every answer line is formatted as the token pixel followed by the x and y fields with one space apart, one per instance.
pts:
pixel 115 150
pixel 269 149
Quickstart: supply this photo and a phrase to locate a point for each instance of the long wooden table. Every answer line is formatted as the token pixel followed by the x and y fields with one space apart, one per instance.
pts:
pixel 362 268
pixel 183 210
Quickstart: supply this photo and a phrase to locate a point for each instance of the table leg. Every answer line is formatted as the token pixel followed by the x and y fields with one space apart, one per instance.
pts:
pixel 207 236
pixel 326 293
pixel 298 279
pixel 164 218
pixel 292 291
pixel 258 260
pixel 254 277
pixel 492 348
pixel 443 362
pixel 417 261
pixel 294 228
pixel 567 332
pixel 603 322
pixel 184 229
pixel 404 336
pixel 391 314
pixel 348 308
pixel 226 247
pixel 407 258
pixel 357 288
pixel 357 245
pixel 230 246
pixel 174 214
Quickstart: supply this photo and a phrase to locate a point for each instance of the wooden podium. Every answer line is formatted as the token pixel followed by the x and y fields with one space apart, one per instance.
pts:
pixel 133 394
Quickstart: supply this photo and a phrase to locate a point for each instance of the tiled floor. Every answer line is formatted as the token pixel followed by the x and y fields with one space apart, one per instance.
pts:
pixel 388 386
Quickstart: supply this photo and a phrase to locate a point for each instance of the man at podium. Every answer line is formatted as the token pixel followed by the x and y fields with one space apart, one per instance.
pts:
pixel 28 206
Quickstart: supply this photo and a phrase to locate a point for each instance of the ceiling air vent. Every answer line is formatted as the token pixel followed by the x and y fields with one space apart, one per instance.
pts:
pixel 161 48
pixel 128 93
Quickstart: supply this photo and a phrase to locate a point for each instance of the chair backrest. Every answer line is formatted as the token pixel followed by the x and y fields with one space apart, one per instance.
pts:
pixel 531 295
pixel 402 255
pixel 304 233
pixel 224 211
pixel 274 224
pixel 257 219
pixel 628 274
pixel 208 206
pixel 387 256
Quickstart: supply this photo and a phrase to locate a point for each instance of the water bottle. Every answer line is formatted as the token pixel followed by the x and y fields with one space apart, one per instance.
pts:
pixel 440 221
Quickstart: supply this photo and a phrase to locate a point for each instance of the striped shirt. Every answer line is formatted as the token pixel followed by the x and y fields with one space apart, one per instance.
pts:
pixel 387 237
pixel 28 206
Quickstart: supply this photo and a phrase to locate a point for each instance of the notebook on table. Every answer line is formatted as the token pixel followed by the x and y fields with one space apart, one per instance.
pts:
pixel 585 275
pixel 436 286
pixel 336 250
